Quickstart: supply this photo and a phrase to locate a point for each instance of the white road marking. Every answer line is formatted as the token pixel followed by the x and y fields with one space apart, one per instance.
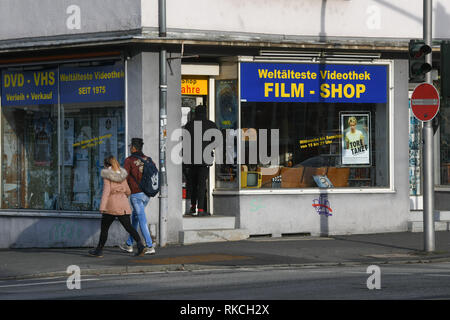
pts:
pixel 41 283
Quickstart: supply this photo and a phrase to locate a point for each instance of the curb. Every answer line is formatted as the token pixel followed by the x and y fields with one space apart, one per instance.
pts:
pixel 194 267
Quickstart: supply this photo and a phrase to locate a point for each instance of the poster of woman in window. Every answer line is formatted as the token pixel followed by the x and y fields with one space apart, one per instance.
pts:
pixel 355 138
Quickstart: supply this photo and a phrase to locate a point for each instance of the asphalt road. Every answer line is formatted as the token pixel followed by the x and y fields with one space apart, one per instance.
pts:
pixel 402 281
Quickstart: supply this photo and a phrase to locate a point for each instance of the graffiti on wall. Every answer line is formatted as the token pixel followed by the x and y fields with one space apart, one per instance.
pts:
pixel 256 205
pixel 63 231
pixel 322 205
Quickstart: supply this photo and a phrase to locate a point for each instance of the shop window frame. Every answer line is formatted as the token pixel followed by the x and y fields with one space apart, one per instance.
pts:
pixel 390 127
pixel 88 214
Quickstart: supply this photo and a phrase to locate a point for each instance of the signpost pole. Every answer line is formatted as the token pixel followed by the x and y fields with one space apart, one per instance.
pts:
pixel 164 190
pixel 427 131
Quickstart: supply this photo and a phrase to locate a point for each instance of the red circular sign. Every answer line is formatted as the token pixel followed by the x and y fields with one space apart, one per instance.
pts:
pixel 425 102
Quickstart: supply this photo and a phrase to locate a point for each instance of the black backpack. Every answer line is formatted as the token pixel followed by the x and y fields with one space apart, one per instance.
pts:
pixel 149 183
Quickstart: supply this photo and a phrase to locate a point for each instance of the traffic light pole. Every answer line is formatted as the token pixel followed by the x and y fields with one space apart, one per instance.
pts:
pixel 427 132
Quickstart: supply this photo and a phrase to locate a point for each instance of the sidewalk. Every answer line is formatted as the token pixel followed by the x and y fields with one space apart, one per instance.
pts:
pixel 369 249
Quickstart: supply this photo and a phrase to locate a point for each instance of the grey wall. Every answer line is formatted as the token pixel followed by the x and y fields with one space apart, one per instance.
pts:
pixel 289 19
pixel 143 122
pixel 35 232
pixel 135 96
pixel 353 213
pixel 442 201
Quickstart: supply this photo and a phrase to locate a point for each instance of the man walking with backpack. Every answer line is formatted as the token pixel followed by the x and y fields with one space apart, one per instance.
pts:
pixel 138 180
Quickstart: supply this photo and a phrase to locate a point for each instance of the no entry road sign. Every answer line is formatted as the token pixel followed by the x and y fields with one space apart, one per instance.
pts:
pixel 425 102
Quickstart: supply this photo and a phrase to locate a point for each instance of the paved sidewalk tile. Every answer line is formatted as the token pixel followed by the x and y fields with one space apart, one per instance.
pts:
pixel 253 252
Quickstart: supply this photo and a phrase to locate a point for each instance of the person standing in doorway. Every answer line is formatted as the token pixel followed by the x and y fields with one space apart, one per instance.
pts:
pixel 139 200
pixel 198 172
pixel 115 204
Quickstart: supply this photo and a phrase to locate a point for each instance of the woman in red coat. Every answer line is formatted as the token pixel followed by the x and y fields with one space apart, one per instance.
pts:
pixel 115 204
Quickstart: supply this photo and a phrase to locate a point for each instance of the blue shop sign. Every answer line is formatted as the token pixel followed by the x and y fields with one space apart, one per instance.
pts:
pixel 302 82
pixel 92 84
pixel 21 88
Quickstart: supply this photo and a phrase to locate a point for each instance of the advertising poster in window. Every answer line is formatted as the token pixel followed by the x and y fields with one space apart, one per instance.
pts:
pixel 81 182
pixel 226 104
pixel 226 119
pixel 81 170
pixel 25 88
pixel 307 82
pixel 355 138
pixel 92 84
pixel 108 138
pixel 415 139
pixel 68 141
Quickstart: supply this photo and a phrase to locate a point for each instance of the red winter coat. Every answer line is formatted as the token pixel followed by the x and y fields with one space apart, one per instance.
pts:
pixel 135 168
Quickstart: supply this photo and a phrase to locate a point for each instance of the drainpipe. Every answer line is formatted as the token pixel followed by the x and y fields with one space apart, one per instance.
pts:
pixel 163 197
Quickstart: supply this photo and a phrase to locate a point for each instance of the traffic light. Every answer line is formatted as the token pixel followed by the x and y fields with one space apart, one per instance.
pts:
pixel 417 65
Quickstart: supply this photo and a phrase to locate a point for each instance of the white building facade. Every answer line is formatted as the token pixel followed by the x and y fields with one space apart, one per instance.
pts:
pixel 311 97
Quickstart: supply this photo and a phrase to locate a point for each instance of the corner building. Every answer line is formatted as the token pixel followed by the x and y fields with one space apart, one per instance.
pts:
pixel 311 97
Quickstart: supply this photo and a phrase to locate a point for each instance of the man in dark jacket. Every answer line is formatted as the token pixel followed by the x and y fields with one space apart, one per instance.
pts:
pixel 197 165
pixel 138 199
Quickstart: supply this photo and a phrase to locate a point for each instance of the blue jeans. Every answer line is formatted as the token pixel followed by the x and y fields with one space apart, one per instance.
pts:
pixel 138 203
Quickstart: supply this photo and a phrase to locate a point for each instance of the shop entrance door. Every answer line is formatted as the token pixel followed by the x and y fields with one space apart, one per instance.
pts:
pixel 188 104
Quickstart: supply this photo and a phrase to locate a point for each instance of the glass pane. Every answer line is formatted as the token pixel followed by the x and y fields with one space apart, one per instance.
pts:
pixel 91 132
pixel 415 144
pixel 29 157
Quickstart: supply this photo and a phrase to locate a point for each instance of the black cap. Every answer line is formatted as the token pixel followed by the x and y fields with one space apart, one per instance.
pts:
pixel 200 109
pixel 137 143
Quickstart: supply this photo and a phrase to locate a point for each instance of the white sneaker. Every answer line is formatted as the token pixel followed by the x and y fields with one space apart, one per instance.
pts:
pixel 150 250
pixel 126 247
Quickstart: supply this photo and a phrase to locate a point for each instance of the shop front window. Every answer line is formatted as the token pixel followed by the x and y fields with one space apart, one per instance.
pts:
pixel 330 123
pixel 52 154
pixel 91 133
pixel 29 156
